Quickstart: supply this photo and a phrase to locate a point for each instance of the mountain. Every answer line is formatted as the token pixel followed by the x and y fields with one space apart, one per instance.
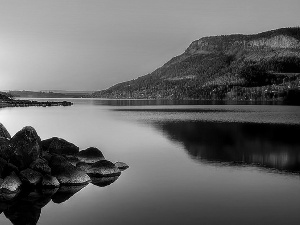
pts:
pixel 212 63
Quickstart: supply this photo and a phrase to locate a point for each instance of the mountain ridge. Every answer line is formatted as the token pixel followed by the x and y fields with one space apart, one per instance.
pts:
pixel 208 60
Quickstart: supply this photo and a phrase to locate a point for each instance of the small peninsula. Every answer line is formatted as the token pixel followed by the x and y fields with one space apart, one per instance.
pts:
pixel 6 100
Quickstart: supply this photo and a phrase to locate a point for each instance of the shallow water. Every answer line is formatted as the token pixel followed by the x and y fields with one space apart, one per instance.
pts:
pixel 188 163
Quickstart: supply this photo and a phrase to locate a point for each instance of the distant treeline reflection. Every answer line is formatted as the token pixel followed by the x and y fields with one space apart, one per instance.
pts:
pixel 145 102
pixel 269 146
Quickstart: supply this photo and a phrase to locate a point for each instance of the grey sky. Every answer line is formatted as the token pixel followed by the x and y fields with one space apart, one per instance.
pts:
pixel 93 44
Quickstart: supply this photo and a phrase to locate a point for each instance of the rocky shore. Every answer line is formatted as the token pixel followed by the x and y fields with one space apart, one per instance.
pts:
pixel 52 169
pixel 6 101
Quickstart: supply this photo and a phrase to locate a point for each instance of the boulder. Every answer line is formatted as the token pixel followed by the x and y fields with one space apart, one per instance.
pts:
pixel 11 183
pixel 30 176
pixel 6 168
pixel 46 155
pixel 90 155
pixel 66 173
pixel 50 181
pixel 61 147
pixel 46 143
pixel 3 140
pixel 22 149
pixel 103 168
pixel 4 148
pixel 3 132
pixel 72 159
pixel 121 165
pixel 41 165
pixel 83 166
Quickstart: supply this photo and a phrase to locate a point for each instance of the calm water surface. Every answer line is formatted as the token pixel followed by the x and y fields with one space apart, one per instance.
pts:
pixel 189 164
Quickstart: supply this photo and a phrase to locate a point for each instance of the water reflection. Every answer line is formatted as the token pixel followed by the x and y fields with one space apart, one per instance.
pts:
pixel 26 207
pixel 239 144
pixel 103 181
pixel 145 102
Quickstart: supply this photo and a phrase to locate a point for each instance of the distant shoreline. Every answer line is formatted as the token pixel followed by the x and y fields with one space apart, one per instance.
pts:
pixel 27 103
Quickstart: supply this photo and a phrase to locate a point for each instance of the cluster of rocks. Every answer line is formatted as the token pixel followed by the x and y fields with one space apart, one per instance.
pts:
pixel 26 161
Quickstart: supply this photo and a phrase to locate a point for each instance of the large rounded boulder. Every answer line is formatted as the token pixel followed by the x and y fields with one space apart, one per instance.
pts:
pixel 66 173
pixel 3 132
pixel 103 168
pixel 90 155
pixel 60 146
pixel 23 148
pixel 11 183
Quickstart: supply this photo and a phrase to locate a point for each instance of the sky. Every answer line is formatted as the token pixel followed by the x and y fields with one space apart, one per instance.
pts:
pixel 94 44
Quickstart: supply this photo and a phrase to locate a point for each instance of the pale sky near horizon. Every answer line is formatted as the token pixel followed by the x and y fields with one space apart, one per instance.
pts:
pixel 93 44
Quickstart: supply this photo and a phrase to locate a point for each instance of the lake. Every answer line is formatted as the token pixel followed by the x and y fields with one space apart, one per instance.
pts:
pixel 189 164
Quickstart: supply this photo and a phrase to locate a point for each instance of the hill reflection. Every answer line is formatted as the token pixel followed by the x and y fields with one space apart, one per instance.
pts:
pixel 239 144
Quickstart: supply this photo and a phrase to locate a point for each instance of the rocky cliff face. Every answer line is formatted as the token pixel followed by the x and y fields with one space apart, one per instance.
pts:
pixel 280 41
pixel 232 42
pixel 208 45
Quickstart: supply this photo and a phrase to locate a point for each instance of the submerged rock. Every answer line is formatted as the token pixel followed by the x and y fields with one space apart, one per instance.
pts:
pixel 3 132
pixel 61 147
pixel 90 155
pixel 103 168
pixel 66 173
pixel 11 183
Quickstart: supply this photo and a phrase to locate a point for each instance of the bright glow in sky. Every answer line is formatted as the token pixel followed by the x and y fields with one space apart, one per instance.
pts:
pixel 93 44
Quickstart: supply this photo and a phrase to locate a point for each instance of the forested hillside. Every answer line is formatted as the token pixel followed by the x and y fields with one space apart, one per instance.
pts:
pixel 214 65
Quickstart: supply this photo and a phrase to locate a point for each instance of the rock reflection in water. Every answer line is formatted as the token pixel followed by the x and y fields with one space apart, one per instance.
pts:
pixel 26 207
pixel 264 145
pixel 103 181
pixel 64 193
